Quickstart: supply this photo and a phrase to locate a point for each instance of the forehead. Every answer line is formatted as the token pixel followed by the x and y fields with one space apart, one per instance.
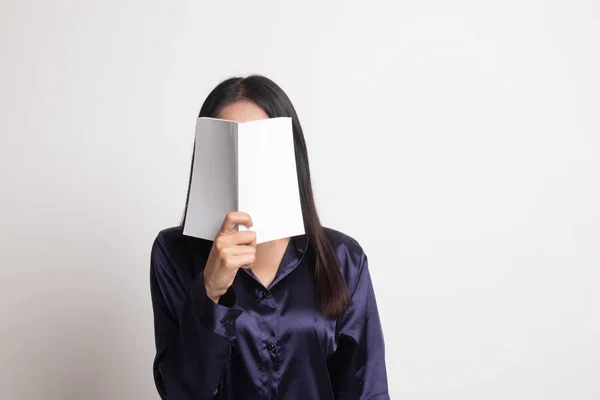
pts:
pixel 242 111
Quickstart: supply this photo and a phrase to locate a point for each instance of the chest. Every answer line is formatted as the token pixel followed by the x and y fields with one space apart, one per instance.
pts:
pixel 265 275
pixel 283 320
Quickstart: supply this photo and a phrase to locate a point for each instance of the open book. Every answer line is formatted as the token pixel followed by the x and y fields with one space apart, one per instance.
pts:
pixel 244 166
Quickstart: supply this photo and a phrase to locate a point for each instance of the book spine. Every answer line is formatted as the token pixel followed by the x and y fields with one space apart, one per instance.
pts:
pixel 234 138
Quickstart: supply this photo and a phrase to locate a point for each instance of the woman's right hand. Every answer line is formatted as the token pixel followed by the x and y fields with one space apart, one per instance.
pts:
pixel 231 251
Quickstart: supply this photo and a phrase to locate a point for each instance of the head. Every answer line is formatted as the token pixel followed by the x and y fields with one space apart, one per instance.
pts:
pixel 257 97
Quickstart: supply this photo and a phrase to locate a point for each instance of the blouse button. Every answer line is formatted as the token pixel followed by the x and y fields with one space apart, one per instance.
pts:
pixel 270 346
pixel 265 294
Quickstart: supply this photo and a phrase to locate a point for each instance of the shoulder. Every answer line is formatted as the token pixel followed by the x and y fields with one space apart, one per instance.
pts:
pixel 343 241
pixel 170 237
pixel 174 253
pixel 173 239
pixel 350 254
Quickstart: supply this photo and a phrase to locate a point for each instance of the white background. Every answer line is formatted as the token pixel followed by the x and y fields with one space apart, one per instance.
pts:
pixel 458 141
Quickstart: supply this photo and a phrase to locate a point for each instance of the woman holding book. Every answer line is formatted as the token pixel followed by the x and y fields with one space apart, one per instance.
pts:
pixel 292 318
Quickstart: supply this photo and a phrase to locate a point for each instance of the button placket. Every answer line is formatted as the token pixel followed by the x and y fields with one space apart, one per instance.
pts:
pixel 264 295
pixel 270 368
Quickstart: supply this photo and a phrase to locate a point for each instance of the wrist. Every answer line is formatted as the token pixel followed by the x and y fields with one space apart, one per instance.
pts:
pixel 211 294
pixel 207 288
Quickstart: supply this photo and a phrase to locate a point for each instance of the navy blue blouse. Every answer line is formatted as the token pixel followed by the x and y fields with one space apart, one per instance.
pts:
pixel 263 343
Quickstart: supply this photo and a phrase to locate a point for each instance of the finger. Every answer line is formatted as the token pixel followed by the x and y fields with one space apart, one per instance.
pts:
pixel 239 250
pixel 244 260
pixel 253 242
pixel 247 238
pixel 234 218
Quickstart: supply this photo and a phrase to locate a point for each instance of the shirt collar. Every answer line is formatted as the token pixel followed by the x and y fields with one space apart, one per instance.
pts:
pixel 292 257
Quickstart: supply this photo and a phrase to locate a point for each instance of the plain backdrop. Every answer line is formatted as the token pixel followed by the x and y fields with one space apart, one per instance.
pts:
pixel 457 141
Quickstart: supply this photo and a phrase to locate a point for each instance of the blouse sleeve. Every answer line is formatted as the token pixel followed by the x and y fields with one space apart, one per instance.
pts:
pixel 194 336
pixel 359 361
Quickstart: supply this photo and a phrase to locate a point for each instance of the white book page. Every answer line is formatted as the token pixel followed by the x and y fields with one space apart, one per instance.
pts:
pixel 214 181
pixel 267 179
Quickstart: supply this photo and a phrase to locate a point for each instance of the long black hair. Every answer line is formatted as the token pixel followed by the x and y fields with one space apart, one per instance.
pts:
pixel 332 294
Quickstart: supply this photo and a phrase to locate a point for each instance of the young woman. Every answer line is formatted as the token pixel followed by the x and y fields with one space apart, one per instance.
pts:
pixel 294 318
